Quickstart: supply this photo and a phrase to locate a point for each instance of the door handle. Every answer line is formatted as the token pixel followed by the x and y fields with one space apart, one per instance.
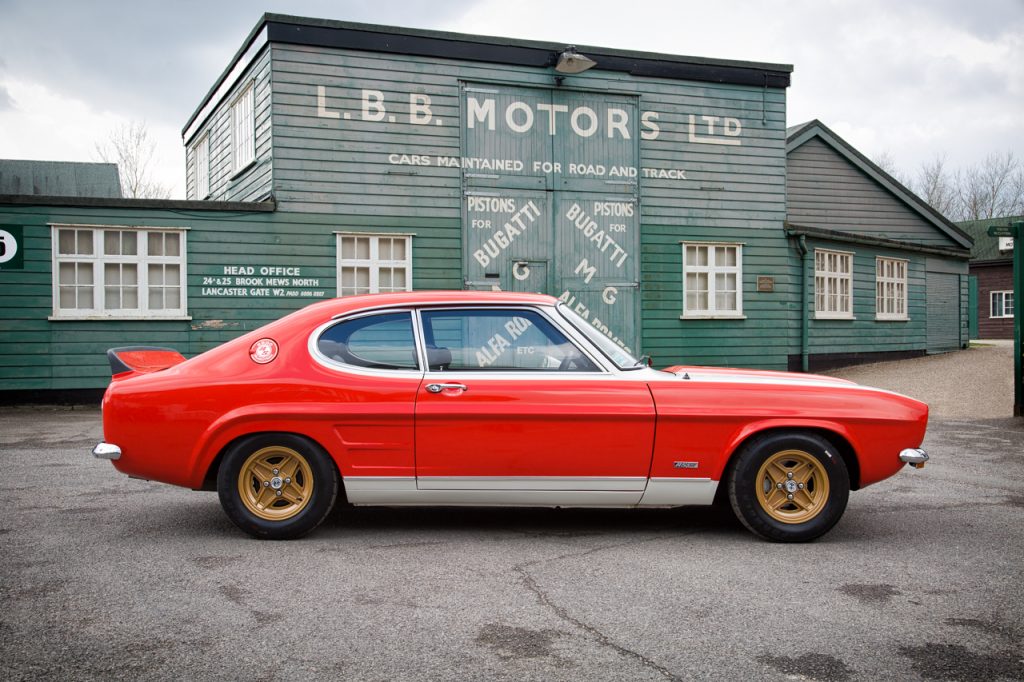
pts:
pixel 437 388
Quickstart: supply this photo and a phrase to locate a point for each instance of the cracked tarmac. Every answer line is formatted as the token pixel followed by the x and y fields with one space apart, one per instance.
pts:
pixel 105 577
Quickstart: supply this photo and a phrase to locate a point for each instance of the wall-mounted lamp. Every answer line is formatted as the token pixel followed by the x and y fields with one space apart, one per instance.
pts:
pixel 571 61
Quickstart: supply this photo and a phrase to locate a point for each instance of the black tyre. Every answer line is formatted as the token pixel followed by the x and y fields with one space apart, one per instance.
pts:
pixel 277 486
pixel 788 486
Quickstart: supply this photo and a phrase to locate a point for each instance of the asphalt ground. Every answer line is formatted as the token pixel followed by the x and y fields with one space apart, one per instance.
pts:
pixel 105 577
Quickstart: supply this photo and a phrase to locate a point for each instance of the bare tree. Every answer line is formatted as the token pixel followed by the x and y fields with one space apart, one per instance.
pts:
pixel 935 185
pixel 130 147
pixel 887 162
pixel 991 189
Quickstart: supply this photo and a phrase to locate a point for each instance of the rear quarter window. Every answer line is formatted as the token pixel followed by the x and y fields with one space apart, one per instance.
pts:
pixel 383 341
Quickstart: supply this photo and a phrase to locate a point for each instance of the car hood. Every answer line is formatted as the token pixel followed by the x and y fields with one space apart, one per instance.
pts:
pixel 753 376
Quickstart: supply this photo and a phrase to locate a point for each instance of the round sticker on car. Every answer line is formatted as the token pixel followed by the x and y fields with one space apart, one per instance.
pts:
pixel 263 351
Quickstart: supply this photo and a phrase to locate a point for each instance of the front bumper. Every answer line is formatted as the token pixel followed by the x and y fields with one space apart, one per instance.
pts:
pixel 106 451
pixel 915 457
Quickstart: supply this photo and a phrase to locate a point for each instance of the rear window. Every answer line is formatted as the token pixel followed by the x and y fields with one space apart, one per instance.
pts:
pixel 383 341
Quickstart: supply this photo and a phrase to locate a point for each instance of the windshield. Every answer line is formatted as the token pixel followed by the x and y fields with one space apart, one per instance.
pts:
pixel 614 352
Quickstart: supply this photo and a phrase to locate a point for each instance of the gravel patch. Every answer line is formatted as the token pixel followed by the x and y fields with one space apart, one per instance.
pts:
pixel 976 383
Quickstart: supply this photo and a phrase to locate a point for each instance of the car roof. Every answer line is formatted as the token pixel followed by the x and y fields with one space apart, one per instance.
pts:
pixel 347 304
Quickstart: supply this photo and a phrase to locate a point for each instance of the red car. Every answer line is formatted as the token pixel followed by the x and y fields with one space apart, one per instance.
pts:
pixel 469 398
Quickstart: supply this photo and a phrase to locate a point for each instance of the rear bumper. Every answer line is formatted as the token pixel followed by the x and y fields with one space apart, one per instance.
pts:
pixel 106 451
pixel 915 457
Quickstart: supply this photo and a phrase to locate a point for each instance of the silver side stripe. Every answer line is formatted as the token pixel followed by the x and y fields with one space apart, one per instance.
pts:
pixel 541 491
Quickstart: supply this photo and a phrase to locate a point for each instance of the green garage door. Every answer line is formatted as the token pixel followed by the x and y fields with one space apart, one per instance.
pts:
pixel 943 312
pixel 552 199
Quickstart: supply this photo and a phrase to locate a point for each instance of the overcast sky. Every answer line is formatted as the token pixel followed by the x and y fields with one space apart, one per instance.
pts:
pixel 910 78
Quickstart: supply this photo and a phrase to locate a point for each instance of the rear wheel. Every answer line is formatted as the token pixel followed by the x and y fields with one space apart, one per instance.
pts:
pixel 789 486
pixel 277 486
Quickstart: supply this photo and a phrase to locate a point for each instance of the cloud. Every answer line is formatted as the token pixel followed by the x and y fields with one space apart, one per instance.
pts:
pixel 6 101
pixel 155 60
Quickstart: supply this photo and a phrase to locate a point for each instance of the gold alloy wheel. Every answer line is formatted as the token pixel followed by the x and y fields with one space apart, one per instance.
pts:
pixel 792 486
pixel 275 483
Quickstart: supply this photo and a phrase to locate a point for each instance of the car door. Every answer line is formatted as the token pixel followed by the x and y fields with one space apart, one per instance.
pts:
pixel 511 410
pixel 373 363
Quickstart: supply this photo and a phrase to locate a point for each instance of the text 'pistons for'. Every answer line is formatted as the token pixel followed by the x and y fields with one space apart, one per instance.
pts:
pixel 503 238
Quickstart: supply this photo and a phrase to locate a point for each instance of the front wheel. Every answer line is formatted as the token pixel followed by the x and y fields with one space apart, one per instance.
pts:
pixel 276 486
pixel 789 486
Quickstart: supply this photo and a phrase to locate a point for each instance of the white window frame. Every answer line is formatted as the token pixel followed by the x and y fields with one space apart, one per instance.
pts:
pixel 201 167
pixel 243 128
pixel 1007 309
pixel 711 270
pixel 833 280
pixel 899 287
pixel 98 260
pixel 374 263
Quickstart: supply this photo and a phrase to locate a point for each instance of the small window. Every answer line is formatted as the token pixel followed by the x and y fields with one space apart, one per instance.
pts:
pixel 201 162
pixel 712 280
pixel 1001 304
pixel 833 284
pixel 499 340
pixel 243 129
pixel 890 289
pixel 374 263
pixel 118 272
pixel 376 342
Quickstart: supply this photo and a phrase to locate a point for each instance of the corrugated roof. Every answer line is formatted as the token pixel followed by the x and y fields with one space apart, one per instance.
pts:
pixel 59 179
pixel 985 247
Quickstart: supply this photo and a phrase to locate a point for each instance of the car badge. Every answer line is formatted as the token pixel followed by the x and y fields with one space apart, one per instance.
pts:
pixel 684 465
pixel 263 351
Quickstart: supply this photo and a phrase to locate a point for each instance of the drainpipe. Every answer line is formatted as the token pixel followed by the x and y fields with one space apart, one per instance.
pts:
pixel 805 322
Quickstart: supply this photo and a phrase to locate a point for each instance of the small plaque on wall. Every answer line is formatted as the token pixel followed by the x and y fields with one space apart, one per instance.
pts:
pixel 765 284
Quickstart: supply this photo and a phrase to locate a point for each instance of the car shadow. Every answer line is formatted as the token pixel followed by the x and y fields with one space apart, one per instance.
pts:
pixel 562 522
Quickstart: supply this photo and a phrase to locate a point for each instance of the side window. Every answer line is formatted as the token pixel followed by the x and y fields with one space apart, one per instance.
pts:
pixel 376 341
pixel 498 340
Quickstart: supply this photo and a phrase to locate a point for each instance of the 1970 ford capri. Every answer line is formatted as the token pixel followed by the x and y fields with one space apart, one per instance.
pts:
pixel 469 398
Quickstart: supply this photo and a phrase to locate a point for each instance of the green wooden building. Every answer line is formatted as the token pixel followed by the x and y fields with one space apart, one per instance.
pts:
pixel 648 191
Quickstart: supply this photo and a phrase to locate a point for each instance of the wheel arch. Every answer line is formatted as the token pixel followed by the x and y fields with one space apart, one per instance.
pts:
pixel 210 476
pixel 832 433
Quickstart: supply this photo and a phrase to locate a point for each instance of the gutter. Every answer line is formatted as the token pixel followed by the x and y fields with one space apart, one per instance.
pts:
pixel 835 235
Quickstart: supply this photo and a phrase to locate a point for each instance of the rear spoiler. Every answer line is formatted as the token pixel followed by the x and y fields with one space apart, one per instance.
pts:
pixel 142 359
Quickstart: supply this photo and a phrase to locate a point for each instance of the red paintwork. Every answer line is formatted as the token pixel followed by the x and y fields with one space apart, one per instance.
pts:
pixel 172 424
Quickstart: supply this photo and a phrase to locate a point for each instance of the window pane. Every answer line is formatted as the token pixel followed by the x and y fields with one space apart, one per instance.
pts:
pixel 172 297
pixel 66 242
pixel 384 249
pixel 363 248
pixel 83 273
pixel 172 276
pixel 85 299
pixel 84 242
pixel 130 297
pixel 384 279
pixel 499 340
pixel 67 274
pixel 172 244
pixel 156 243
pixel 398 249
pixel 67 298
pixel 111 243
pixel 156 298
pixel 156 275
pixel 379 342
pixel 398 279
